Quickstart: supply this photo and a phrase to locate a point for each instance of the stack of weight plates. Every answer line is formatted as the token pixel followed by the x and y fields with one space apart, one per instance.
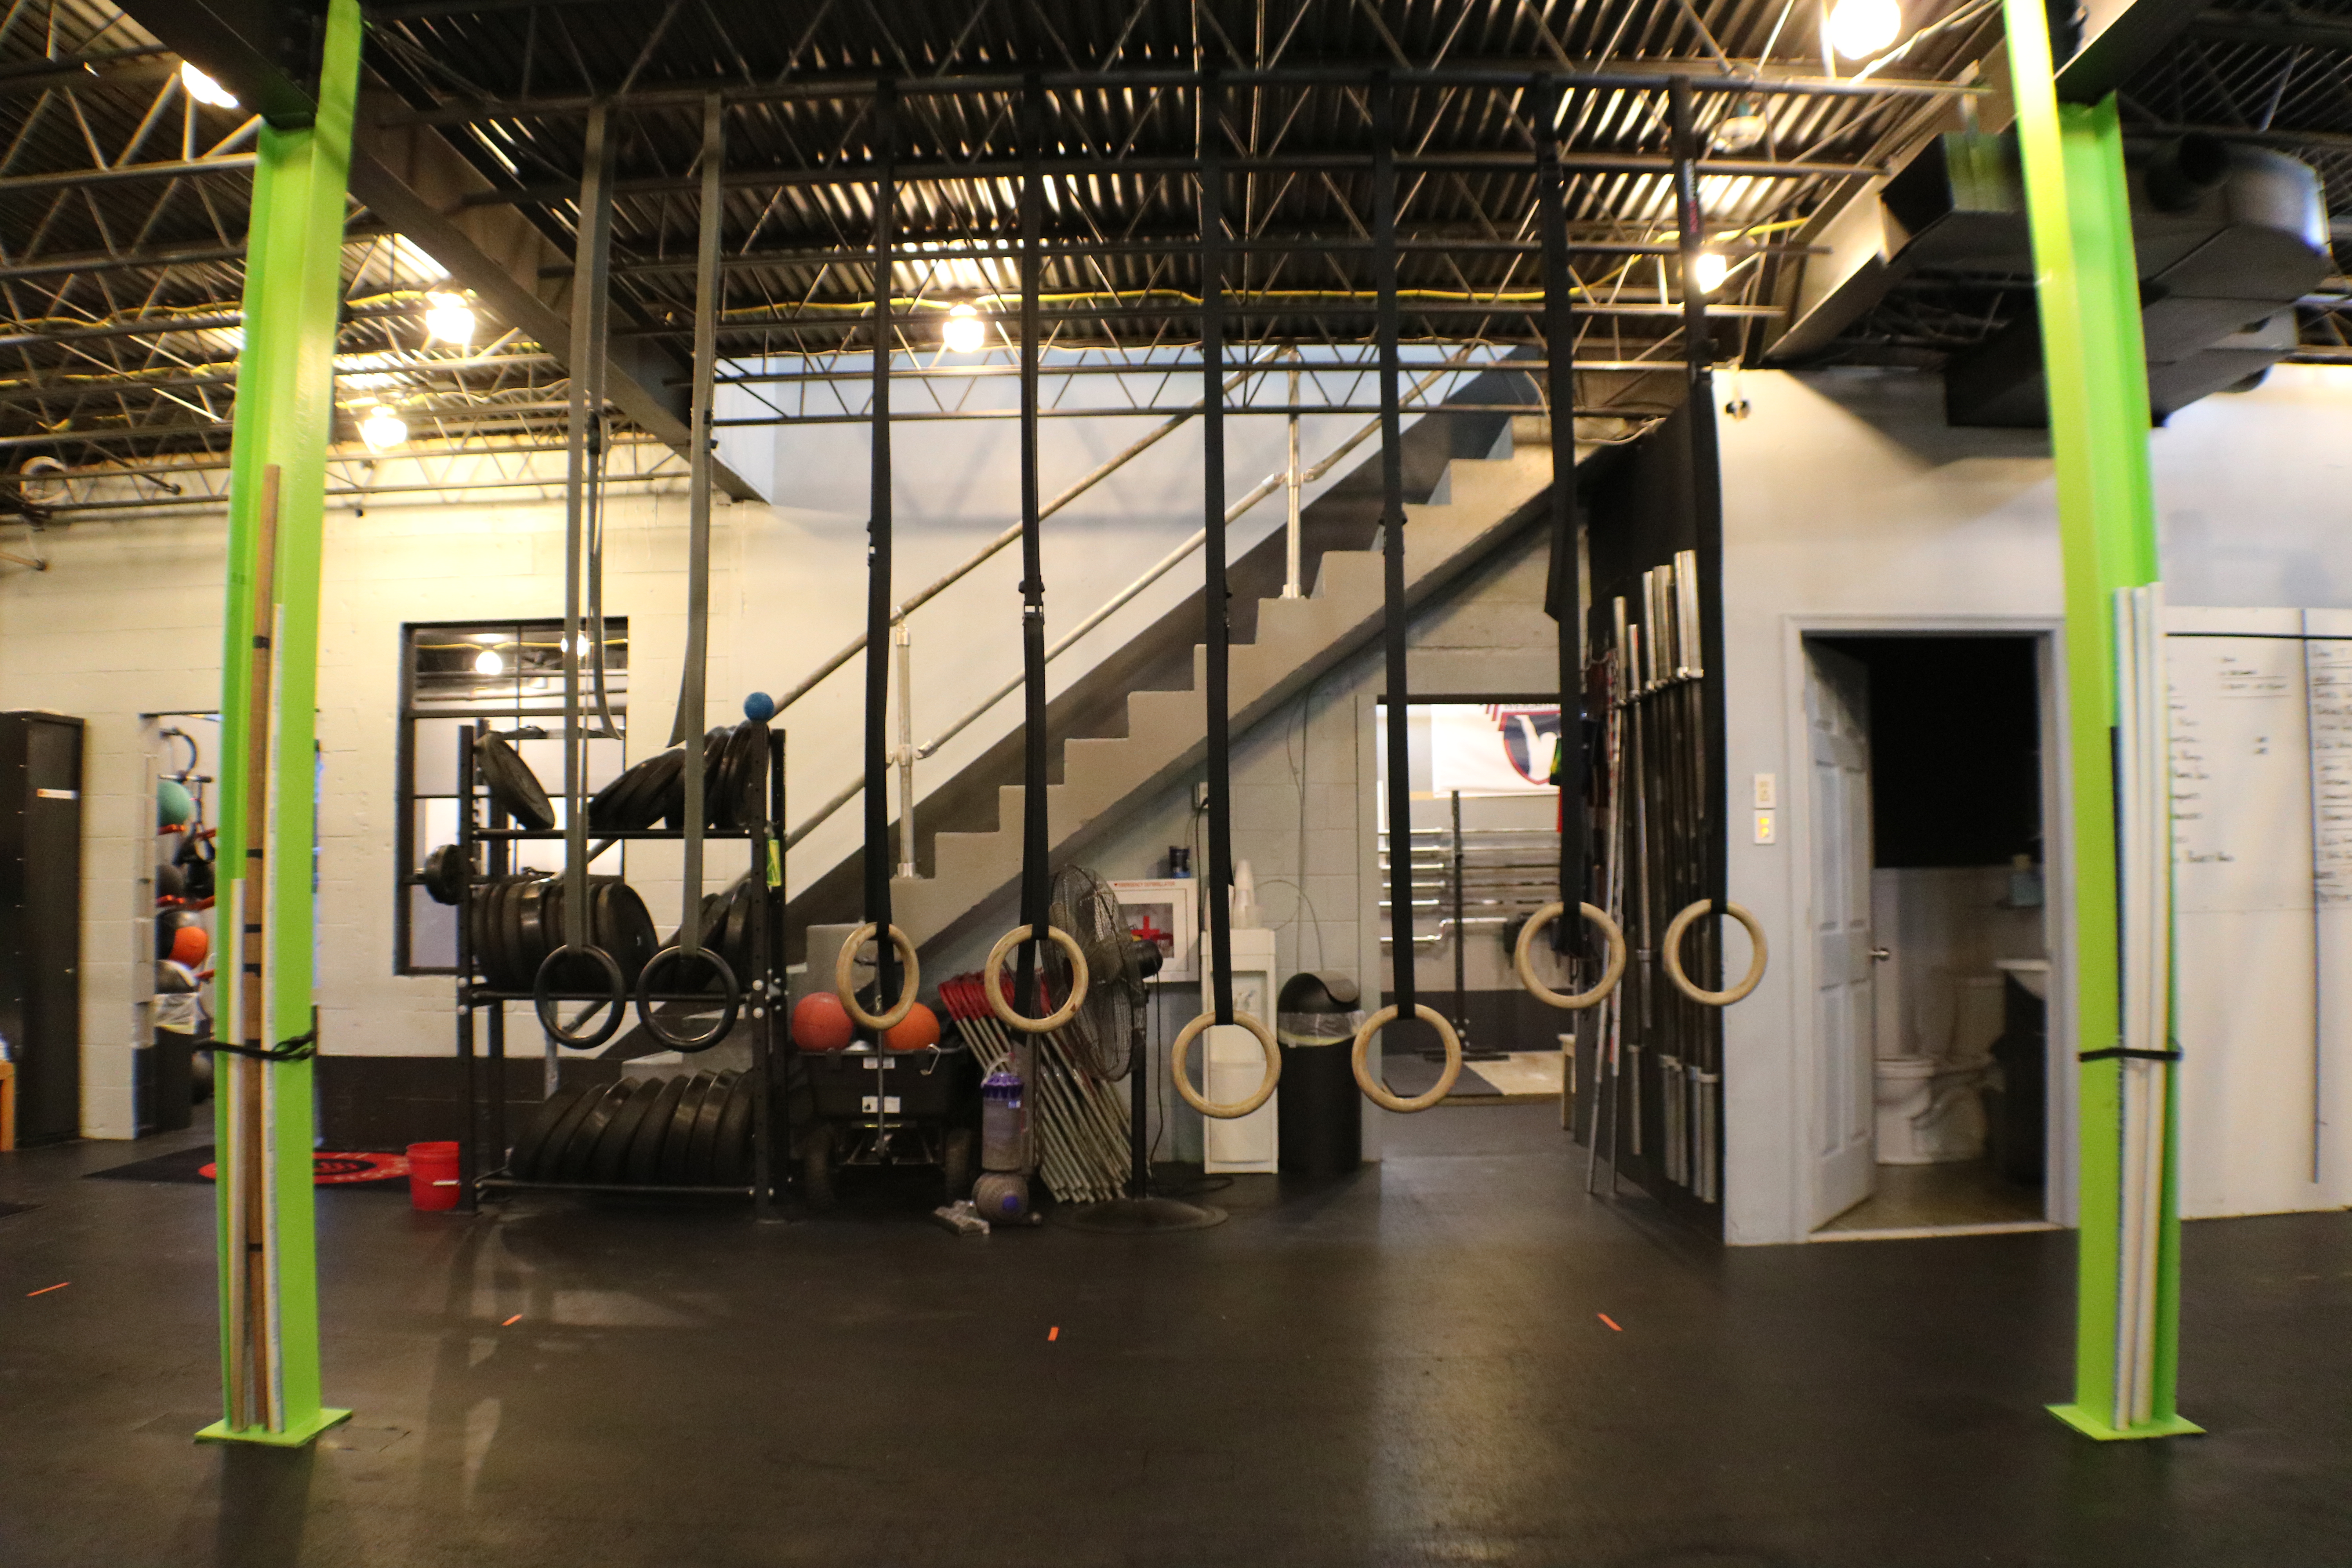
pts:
pixel 690 1131
pixel 734 785
pixel 514 923
pixel 639 797
pixel 726 926
pixel 513 787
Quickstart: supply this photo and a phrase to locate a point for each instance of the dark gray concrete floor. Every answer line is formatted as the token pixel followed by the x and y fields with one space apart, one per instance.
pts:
pixel 1406 1369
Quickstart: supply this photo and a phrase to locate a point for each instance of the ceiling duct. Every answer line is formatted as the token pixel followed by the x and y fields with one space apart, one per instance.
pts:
pixel 2227 237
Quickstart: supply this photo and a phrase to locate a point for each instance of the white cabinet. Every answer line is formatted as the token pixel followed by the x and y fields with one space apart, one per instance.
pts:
pixel 1233 1062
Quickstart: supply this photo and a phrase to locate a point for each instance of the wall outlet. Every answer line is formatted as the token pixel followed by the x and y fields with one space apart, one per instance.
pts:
pixel 1768 792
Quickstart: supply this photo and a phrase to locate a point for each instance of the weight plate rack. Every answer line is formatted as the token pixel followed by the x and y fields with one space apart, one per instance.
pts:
pixel 614 1130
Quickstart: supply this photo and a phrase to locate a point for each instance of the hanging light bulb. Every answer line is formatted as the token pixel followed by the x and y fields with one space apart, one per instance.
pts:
pixel 204 89
pixel 1711 269
pixel 383 429
pixel 487 662
pixel 1861 28
pixel 448 318
pixel 1741 129
pixel 964 332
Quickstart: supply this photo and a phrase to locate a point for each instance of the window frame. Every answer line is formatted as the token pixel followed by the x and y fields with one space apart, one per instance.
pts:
pixel 407 873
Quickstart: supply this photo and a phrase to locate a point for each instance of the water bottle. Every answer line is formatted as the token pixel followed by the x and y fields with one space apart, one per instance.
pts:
pixel 1001 1123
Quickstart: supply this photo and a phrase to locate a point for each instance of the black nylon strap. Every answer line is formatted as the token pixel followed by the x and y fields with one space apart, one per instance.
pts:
pixel 1216 610
pixel 2125 1053
pixel 877 560
pixel 1035 892
pixel 1400 769
pixel 1707 500
pixel 1563 595
pixel 299 1047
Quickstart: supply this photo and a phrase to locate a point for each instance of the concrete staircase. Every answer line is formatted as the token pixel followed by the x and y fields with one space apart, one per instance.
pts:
pixel 1475 504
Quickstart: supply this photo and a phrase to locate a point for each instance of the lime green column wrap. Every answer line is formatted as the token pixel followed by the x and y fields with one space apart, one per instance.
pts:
pixel 2095 363
pixel 285 416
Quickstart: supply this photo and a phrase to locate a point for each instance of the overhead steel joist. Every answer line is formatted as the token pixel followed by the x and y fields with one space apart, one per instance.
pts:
pixel 417 185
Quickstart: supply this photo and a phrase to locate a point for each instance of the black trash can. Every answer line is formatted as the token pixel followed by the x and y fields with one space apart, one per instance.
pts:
pixel 1320 1114
pixel 166 1083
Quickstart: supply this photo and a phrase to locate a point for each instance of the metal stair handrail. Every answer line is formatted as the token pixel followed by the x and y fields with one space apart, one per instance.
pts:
pixel 1111 606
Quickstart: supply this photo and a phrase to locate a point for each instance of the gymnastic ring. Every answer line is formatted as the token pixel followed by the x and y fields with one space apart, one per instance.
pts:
pixel 1379 1093
pixel 543 999
pixel 729 987
pixel 847 961
pixel 1671 952
pixel 1200 1102
pixel 1610 975
pixel 992 972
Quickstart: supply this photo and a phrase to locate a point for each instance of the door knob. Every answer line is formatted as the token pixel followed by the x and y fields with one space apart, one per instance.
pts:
pixel 1880 954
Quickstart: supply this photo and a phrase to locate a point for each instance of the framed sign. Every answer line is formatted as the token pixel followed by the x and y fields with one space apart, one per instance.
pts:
pixel 1492 748
pixel 1165 911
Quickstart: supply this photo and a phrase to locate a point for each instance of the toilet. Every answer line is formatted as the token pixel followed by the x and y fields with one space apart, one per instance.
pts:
pixel 1930 1109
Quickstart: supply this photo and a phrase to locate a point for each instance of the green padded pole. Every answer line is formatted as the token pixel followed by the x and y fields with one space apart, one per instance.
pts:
pixel 285 417
pixel 2087 290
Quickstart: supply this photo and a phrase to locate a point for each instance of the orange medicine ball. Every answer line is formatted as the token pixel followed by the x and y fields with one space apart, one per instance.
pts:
pixel 820 1023
pixel 918 1030
pixel 190 946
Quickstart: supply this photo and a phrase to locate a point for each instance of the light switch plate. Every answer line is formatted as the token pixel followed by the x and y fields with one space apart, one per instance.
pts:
pixel 1764 829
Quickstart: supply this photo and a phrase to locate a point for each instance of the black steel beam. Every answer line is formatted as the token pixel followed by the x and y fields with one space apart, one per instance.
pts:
pixel 2117 38
pixel 264 52
pixel 2303 31
pixel 1073 250
pixel 147 66
pixel 1498 77
pixel 124 173
pixel 1240 307
pixel 412 181
pixel 558 193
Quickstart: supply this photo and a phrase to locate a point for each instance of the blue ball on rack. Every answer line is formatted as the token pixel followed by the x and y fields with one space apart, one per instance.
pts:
pixel 759 708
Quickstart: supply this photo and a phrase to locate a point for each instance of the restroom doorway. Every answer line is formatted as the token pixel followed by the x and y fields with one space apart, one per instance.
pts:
pixel 1928 916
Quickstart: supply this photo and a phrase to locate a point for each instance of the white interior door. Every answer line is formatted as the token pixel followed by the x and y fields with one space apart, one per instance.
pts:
pixel 1845 1169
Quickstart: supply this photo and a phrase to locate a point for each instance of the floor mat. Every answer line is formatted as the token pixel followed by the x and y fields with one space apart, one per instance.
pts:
pixel 1409 1074
pixel 194 1167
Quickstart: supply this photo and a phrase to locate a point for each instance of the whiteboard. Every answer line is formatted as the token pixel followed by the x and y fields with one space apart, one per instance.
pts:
pixel 2262 776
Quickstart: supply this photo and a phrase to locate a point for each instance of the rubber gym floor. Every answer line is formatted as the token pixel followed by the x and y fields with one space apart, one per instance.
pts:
pixel 1410 1368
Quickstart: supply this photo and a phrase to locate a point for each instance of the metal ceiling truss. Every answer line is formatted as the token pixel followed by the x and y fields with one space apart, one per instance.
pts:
pixel 122 202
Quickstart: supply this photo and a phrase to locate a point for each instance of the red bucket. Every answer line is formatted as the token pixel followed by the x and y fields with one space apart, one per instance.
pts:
pixel 433 1175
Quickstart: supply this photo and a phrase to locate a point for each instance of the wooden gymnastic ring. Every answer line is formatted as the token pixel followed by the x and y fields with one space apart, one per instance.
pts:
pixel 1377 1093
pixel 1671 952
pixel 992 972
pixel 844 986
pixel 1614 973
pixel 1202 1103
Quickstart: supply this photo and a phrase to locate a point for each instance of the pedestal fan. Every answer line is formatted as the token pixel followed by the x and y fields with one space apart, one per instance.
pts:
pixel 1107 1037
